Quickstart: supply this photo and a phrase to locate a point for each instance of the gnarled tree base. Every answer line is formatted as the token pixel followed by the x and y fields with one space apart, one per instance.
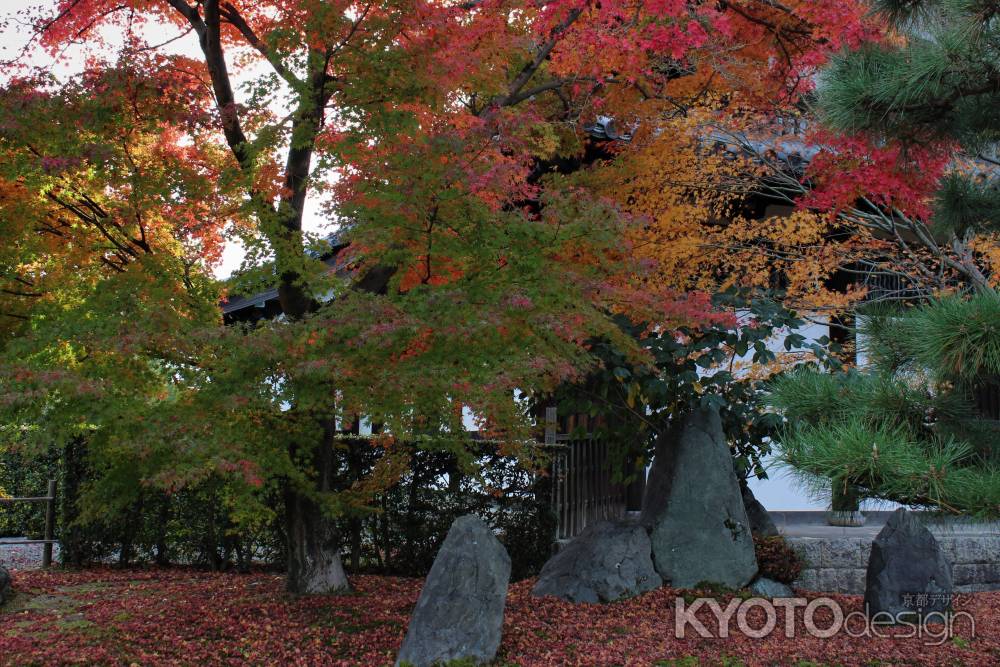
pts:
pixel 314 565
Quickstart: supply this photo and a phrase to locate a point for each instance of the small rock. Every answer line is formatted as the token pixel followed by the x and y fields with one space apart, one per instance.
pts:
pixel 608 561
pixel 459 615
pixel 908 573
pixel 6 588
pixel 761 523
pixel 769 588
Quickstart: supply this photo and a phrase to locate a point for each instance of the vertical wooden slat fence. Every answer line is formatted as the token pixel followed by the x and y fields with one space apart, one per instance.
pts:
pixel 50 521
pixel 583 491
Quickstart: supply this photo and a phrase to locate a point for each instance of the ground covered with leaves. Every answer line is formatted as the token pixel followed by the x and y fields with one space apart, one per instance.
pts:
pixel 183 617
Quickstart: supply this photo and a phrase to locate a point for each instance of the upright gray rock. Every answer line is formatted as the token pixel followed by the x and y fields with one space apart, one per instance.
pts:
pixel 459 614
pixel 608 561
pixel 6 590
pixel 908 573
pixel 694 509
pixel 761 523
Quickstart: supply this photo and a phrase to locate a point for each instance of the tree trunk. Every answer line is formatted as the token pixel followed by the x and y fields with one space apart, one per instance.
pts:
pixel 313 543
pixel 74 549
pixel 409 527
pixel 212 543
pixel 314 565
pixel 844 497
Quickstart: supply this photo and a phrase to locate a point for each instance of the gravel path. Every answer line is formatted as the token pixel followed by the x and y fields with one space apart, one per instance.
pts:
pixel 23 556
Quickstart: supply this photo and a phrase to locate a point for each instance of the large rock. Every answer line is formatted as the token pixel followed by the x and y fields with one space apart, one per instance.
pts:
pixel 6 590
pixel 908 573
pixel 694 510
pixel 761 523
pixel 459 614
pixel 606 562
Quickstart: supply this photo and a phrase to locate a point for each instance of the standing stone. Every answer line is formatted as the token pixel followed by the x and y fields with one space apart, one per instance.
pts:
pixel 608 561
pixel 459 614
pixel 694 509
pixel 907 570
pixel 761 523
pixel 6 590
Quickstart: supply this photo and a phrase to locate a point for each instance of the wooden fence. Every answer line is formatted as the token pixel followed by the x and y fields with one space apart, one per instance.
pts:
pixel 50 521
pixel 583 491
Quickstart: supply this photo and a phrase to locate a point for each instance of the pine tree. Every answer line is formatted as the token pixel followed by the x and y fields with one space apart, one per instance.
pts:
pixel 939 83
pixel 916 428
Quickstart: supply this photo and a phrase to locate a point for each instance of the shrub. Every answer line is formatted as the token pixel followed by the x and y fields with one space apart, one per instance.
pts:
pixel 401 531
pixel 918 425
pixel 398 533
pixel 776 559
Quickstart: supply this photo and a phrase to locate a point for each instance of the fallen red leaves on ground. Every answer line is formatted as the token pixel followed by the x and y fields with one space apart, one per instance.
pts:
pixel 185 617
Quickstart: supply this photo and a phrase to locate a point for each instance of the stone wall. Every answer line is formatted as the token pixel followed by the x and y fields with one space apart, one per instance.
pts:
pixel 838 564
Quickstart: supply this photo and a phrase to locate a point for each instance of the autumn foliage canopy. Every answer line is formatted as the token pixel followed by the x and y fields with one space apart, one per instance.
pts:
pixel 484 230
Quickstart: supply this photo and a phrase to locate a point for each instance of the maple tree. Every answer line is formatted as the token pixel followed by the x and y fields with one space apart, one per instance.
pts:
pixel 906 155
pixel 821 220
pixel 706 228
pixel 872 189
pixel 446 140
pixel 107 215
pixel 920 101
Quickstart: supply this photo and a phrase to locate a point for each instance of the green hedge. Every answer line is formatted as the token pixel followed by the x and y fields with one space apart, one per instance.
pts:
pixel 399 533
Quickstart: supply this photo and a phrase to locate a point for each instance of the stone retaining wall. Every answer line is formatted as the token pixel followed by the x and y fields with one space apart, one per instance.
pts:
pixel 838 564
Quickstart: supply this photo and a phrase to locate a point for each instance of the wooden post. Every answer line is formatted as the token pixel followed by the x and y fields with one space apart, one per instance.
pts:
pixel 551 423
pixel 50 522
pixel 550 439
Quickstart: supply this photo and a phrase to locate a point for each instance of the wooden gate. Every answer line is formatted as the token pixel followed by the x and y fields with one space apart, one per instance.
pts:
pixel 50 521
pixel 582 491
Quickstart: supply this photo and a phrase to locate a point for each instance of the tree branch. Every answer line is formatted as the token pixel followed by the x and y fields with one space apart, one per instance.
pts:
pixel 529 70
pixel 188 12
pixel 210 39
pixel 554 84
pixel 14 292
pixel 233 17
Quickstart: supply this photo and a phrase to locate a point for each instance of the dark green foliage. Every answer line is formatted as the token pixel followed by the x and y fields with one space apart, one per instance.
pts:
pixel 964 205
pixel 903 11
pixel 692 367
pixel 192 526
pixel 776 559
pixel 958 339
pixel 844 497
pixel 22 476
pixel 401 532
pixel 910 429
